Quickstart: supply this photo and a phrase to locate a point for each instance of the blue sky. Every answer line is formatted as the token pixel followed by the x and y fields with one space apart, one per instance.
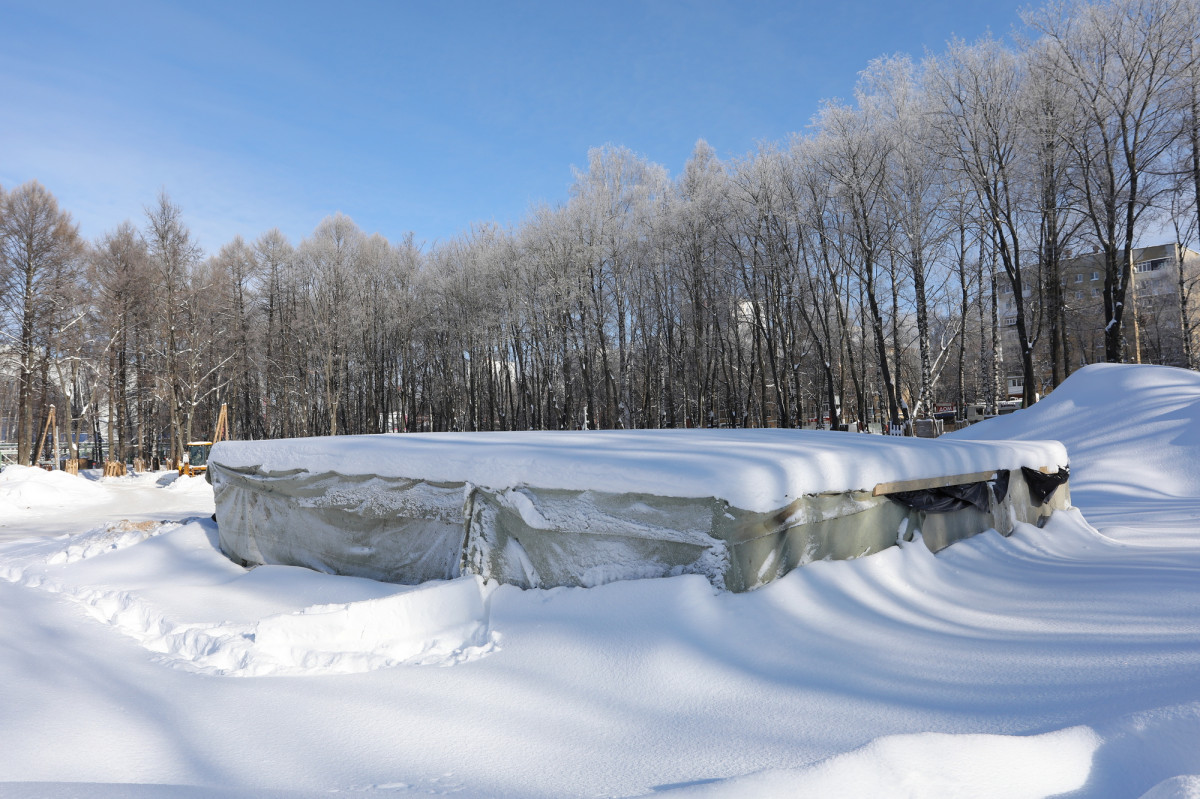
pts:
pixel 423 117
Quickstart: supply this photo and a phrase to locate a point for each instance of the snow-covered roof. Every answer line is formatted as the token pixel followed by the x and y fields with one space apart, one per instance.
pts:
pixel 757 470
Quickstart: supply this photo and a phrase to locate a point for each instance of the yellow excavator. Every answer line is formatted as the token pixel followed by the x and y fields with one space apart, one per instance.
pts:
pixel 195 457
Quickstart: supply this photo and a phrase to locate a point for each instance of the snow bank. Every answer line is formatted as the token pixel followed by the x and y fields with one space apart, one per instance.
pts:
pixel 1122 424
pixel 425 625
pixel 25 488
pixel 755 470
pixel 928 765
pixel 1185 786
pixel 437 623
pixel 1133 436
pixel 1117 758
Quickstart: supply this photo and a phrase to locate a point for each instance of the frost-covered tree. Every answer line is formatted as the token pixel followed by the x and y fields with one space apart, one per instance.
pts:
pixel 917 192
pixel 980 120
pixel 41 253
pixel 121 273
pixel 1119 62
pixel 854 152
pixel 174 255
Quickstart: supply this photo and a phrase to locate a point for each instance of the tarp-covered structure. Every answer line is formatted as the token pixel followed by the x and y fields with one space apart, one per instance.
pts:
pixel 543 509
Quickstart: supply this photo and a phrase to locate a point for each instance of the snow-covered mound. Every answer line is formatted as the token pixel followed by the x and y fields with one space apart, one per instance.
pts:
pixel 929 764
pixel 1133 436
pixel 167 587
pixel 545 509
pixel 26 487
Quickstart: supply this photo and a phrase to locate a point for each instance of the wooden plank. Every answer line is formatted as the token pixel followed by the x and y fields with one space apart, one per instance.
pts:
pixel 931 482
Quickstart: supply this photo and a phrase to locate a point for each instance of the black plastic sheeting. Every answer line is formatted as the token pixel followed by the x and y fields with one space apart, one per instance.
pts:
pixel 1000 485
pixel 947 499
pixel 1041 485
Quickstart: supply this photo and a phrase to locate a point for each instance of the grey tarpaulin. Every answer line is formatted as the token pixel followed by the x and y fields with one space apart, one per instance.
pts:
pixel 389 529
pixel 409 530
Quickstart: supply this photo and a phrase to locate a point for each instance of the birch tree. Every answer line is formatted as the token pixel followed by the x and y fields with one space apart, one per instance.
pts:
pixel 979 87
pixel 916 193
pixel 854 155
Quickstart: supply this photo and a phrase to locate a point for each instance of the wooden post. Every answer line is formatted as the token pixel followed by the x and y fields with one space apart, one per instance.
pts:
pixel 222 430
pixel 56 449
pixel 37 453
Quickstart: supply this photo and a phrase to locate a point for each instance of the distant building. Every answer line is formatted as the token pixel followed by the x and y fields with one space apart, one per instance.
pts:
pixel 1155 297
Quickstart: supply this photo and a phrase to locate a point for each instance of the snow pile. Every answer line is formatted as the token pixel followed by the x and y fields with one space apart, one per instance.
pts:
pixel 929 764
pixel 432 623
pixel 755 470
pixel 1182 787
pixel 22 559
pixel 1133 436
pixel 165 611
pixel 24 488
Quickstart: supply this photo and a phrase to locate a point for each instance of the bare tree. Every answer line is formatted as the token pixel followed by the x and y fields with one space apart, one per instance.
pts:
pixel 41 249
pixel 331 258
pixel 854 156
pixel 174 256
pixel 916 194
pixel 121 272
pixel 1119 62
pixel 979 87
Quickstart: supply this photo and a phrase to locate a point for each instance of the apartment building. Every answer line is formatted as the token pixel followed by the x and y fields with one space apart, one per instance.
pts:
pixel 1154 330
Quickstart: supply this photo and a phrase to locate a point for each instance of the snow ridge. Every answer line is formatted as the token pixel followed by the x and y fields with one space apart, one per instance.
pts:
pixel 434 624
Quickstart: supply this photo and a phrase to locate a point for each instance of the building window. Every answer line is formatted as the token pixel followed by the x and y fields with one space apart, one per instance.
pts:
pixel 1079 295
pixel 1079 278
pixel 1095 292
pixel 1095 275
pixel 1010 321
pixel 1151 266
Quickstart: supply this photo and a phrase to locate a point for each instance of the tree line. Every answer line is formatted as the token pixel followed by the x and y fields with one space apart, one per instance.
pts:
pixel 849 273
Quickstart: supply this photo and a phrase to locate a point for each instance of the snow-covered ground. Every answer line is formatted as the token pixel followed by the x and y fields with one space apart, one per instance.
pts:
pixel 136 661
pixel 35 502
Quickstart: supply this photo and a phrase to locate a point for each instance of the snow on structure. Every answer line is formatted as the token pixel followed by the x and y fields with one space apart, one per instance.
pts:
pixel 544 509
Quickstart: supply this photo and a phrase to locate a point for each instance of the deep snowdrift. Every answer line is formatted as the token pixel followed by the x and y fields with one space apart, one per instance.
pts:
pixel 25 488
pixel 135 661
pixel 1133 437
